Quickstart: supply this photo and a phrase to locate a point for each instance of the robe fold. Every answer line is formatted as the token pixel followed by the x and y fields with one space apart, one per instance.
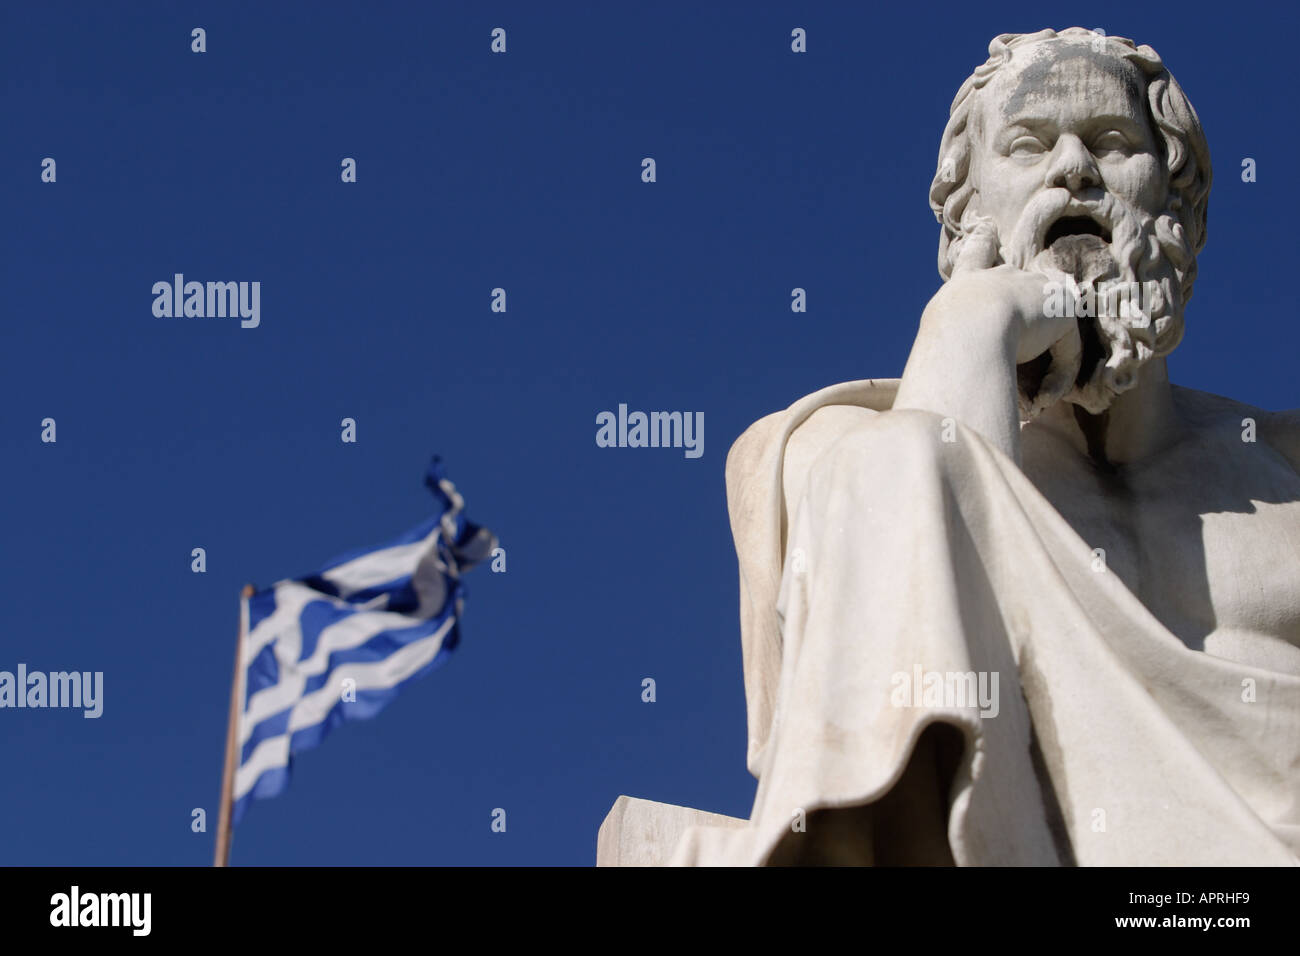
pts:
pixel 879 555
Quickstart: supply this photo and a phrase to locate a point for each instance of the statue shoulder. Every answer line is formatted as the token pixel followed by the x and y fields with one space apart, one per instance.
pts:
pixel 1279 430
pixel 808 422
pixel 749 453
pixel 746 449
pixel 1282 431
pixel 768 464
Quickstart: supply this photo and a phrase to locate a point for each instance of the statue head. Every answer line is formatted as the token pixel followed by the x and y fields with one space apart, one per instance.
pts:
pixel 1077 133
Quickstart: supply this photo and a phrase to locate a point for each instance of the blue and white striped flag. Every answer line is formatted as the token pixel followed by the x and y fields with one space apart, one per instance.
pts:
pixel 338 645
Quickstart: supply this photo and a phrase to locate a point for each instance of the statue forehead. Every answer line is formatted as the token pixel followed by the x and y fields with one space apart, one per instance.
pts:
pixel 1049 70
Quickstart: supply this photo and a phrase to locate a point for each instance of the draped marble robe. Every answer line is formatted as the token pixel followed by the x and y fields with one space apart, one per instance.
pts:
pixel 869 547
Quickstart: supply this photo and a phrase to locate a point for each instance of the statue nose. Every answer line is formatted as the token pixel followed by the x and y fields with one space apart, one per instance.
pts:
pixel 1072 166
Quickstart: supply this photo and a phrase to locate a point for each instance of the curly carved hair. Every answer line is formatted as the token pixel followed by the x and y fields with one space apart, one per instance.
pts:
pixel 1185 151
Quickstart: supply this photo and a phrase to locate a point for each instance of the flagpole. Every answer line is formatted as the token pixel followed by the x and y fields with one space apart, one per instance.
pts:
pixel 224 829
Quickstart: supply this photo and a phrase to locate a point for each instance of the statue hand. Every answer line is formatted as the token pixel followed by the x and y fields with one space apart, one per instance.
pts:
pixel 1010 294
pixel 986 320
pixel 1011 299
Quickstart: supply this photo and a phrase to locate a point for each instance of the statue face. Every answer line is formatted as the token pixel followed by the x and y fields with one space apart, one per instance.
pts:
pixel 1052 155
pixel 1062 116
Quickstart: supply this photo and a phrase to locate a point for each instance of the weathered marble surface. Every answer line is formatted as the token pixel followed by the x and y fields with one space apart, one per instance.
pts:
pixel 645 833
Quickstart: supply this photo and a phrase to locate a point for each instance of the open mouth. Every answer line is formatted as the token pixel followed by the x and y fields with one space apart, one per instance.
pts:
pixel 1078 245
pixel 1075 226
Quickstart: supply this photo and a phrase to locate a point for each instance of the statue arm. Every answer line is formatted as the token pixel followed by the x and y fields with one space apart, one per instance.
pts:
pixel 977 328
pixel 962 366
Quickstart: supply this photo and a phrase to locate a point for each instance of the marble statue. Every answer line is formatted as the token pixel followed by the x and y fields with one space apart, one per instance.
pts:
pixel 1030 604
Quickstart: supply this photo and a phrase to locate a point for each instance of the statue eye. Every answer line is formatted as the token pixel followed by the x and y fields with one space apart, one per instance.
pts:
pixel 1027 146
pixel 1111 141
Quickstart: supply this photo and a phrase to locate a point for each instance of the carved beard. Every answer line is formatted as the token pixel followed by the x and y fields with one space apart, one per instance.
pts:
pixel 1121 246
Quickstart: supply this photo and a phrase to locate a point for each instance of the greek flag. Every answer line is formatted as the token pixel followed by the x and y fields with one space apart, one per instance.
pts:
pixel 338 645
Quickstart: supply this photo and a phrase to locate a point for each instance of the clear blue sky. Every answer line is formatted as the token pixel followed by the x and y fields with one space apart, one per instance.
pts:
pixel 475 171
